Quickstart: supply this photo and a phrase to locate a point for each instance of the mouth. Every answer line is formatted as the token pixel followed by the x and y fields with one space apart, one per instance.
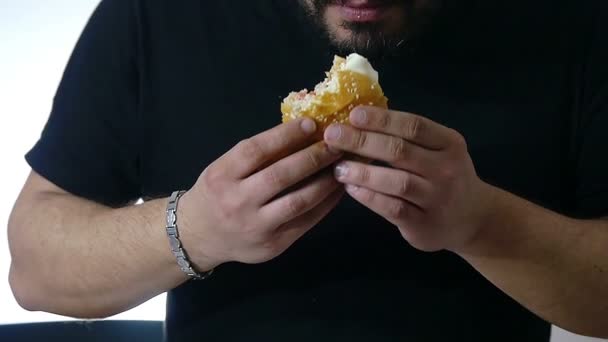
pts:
pixel 363 11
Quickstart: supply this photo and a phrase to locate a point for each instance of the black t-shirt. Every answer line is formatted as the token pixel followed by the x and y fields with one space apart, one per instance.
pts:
pixel 157 90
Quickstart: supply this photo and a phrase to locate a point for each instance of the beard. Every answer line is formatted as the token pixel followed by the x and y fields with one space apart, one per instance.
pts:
pixel 407 21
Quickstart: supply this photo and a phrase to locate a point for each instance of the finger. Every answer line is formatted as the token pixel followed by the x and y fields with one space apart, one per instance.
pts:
pixel 396 183
pixel 413 128
pixel 291 231
pixel 300 201
pixel 379 146
pixel 293 169
pixel 251 154
pixel 395 210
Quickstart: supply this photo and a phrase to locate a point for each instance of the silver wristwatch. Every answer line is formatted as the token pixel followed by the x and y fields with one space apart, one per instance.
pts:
pixel 176 244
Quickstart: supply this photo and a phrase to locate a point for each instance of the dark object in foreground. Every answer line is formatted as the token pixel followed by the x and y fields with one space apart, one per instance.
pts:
pixel 95 331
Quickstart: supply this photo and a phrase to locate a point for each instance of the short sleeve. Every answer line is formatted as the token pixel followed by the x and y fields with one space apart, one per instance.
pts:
pixel 89 145
pixel 592 169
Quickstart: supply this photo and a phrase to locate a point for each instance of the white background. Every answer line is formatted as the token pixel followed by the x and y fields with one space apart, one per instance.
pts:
pixel 36 39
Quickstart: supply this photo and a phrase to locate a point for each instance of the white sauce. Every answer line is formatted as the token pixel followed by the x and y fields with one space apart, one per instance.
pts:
pixel 359 64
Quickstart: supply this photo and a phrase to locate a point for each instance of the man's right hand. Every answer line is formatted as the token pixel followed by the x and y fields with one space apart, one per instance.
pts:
pixel 254 202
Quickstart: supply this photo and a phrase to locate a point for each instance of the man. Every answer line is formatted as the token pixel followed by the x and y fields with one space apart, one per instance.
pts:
pixel 480 219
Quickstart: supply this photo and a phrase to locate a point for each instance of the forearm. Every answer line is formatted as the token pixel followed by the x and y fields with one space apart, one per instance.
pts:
pixel 77 258
pixel 555 266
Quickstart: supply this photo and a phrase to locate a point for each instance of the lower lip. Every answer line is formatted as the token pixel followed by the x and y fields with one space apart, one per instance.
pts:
pixel 362 15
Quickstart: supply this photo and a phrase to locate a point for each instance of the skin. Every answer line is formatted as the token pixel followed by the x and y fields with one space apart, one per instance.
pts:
pixel 555 266
pixel 261 196
pixel 393 23
pixel 402 21
pixel 248 206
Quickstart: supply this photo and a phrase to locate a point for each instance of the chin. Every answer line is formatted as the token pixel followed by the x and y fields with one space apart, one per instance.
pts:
pixel 371 42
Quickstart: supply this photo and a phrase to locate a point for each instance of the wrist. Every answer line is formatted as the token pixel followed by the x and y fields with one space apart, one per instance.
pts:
pixel 192 235
pixel 494 215
pixel 512 226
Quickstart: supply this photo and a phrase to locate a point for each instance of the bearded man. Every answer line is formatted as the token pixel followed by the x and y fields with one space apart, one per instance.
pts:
pixel 481 217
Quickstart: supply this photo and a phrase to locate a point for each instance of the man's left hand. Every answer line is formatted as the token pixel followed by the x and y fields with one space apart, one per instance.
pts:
pixel 429 188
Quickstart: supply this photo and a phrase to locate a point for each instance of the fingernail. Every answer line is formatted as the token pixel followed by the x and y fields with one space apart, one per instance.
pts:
pixel 333 132
pixel 358 116
pixel 308 126
pixel 341 170
pixel 351 188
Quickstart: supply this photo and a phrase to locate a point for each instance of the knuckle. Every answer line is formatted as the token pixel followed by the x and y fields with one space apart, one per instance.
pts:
pixel 397 149
pixel 272 247
pixel 384 120
pixel 271 178
pixel 414 128
pixel 295 205
pixel 396 210
pixel 258 238
pixel 282 138
pixel 405 186
pixel 459 141
pixel 363 175
pixel 368 196
pixel 315 158
pixel 405 234
pixel 360 140
pixel 250 149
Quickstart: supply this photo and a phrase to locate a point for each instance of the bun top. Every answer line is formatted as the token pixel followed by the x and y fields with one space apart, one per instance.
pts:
pixel 351 82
